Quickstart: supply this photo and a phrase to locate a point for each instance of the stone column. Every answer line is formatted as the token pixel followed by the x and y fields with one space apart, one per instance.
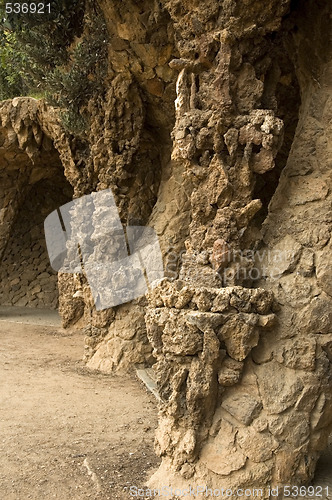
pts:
pixel 246 398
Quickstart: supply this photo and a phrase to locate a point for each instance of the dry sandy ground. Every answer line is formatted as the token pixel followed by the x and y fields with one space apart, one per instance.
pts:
pixel 70 434
pixel 66 433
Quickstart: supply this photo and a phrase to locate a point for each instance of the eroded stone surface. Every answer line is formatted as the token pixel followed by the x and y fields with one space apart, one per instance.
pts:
pixel 32 185
pixel 265 412
pixel 191 134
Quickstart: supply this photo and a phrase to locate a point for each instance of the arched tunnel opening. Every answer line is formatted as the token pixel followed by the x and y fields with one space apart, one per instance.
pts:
pixel 27 279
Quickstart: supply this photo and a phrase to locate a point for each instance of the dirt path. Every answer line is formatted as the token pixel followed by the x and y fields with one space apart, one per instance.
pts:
pixel 66 433
pixel 70 434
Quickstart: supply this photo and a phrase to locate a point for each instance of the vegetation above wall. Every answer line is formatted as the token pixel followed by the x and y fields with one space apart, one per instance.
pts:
pixel 59 55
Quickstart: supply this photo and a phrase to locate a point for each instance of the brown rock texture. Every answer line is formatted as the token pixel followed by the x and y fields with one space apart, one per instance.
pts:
pixel 247 398
pixel 213 129
pixel 32 185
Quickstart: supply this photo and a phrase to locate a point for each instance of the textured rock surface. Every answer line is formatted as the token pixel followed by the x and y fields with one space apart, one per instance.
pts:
pixel 240 409
pixel 195 135
pixel 25 273
pixel 32 185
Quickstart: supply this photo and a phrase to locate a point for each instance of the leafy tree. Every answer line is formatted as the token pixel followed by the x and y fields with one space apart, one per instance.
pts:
pixel 58 55
pixel 11 82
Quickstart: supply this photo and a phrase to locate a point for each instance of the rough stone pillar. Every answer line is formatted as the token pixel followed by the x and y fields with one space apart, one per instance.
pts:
pixel 129 152
pixel 247 402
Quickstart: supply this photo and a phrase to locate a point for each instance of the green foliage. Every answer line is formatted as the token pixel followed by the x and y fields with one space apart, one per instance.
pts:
pixel 71 86
pixel 11 82
pixel 61 55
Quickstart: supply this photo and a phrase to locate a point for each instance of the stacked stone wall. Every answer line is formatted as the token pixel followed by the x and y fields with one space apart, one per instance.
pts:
pixel 26 276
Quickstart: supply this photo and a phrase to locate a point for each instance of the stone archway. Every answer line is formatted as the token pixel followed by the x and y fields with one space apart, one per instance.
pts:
pixel 32 185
